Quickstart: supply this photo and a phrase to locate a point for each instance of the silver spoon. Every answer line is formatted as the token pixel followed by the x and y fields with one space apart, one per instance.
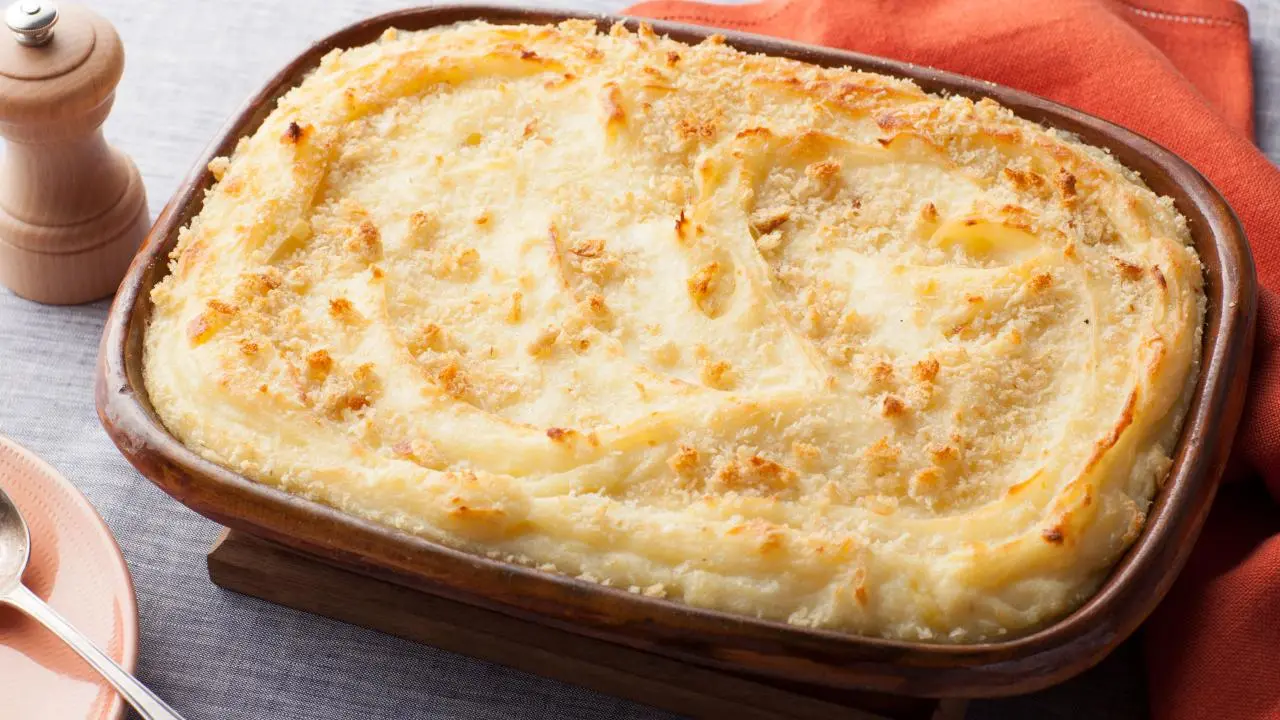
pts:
pixel 15 551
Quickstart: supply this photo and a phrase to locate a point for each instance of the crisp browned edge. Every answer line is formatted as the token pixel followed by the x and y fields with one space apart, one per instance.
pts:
pixel 773 649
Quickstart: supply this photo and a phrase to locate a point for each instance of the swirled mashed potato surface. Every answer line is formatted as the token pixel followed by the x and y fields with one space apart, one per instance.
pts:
pixel 798 343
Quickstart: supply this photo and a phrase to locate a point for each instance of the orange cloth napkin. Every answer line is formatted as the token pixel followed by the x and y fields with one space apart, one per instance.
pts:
pixel 1177 71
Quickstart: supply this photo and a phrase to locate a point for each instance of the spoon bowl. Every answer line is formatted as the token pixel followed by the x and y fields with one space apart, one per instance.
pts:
pixel 15 544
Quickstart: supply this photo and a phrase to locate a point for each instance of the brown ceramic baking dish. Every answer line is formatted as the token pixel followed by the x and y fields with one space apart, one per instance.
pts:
pixel 699 636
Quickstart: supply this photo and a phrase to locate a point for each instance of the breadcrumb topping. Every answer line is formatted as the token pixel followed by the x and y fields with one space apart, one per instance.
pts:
pixel 799 343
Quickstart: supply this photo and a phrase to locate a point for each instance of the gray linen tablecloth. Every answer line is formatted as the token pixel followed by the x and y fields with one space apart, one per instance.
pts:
pixel 216 655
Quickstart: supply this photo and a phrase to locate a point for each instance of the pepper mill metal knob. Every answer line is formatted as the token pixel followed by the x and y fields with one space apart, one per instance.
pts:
pixel 72 209
pixel 31 21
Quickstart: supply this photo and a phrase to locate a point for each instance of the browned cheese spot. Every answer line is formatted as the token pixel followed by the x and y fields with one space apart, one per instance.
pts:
pixel 860 586
pixel 925 483
pixel 1041 281
pixel 451 379
pixel 1160 279
pixel 771 540
pixel 773 473
pixel 353 401
pixel 215 316
pixel 673 57
pixel 319 363
pixel 515 311
pixel 199 329
pixel 1025 180
pixel 248 347
pixel 826 173
pixel 561 81
pixel 706 288
pixel 261 283
pixel 941 454
pixel 925 370
pixel 892 406
pixel 465 263
pixel 192 255
pixel 880 372
pixel 891 122
pixel 1066 184
pixel 929 213
pixel 591 248
pixel 805 453
pixel 1053 535
pixel 881 456
pixel 365 242
pixel 692 127
pixel 717 374
pixel 1159 350
pixel 341 309
pixel 557 251
pixel 420 452
pixel 615 114
pixel 1113 436
pixel 429 337
pixel 759 474
pixel 1128 270
pixel 222 308
pixel 294 133
pixel 684 227
pixel 422 228
pixel 544 342
pixel 766 220
pixel 366 376
pixel 684 462
pixel 1019 487
pixel 561 435
pixel 1012 136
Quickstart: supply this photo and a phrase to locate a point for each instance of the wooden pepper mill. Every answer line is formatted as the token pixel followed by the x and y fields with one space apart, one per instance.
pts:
pixel 72 209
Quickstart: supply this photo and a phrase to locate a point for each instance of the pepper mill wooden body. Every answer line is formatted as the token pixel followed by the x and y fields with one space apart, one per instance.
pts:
pixel 72 209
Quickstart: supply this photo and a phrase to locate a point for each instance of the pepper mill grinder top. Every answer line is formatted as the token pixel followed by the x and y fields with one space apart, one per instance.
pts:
pixel 31 21
pixel 72 209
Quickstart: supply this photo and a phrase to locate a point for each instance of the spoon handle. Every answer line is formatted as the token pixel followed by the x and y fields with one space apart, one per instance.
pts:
pixel 143 700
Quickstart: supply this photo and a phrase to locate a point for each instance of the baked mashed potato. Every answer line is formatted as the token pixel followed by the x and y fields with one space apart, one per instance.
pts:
pixel 803 344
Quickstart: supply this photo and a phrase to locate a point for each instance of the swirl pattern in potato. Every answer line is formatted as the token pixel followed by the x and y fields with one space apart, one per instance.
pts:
pixel 798 343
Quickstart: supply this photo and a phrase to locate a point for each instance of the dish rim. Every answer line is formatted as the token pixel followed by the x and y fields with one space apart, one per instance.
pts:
pixel 710 637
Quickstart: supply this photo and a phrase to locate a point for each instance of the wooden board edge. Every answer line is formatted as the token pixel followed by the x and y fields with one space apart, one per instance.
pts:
pixel 243 563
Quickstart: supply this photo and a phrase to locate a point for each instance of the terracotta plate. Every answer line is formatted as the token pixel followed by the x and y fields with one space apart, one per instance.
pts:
pixel 77 568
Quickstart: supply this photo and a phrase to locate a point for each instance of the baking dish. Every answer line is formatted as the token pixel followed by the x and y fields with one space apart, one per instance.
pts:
pixel 701 636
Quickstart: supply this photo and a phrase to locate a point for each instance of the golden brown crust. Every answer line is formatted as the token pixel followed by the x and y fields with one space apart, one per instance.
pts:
pixel 799 343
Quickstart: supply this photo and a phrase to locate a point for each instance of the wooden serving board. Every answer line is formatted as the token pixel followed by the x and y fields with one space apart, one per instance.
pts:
pixel 247 564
